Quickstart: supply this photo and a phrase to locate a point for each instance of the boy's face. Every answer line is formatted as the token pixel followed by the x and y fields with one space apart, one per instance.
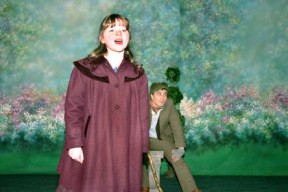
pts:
pixel 115 38
pixel 159 98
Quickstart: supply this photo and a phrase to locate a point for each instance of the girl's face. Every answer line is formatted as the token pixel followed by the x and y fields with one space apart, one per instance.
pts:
pixel 116 38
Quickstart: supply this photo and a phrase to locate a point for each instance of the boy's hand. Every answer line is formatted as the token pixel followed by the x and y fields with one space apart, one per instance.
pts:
pixel 177 153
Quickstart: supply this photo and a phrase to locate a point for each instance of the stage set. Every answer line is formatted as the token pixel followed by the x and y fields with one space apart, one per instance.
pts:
pixel 225 63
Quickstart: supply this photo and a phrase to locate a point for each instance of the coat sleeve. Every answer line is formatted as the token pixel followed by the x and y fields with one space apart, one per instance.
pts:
pixel 176 126
pixel 74 110
pixel 144 112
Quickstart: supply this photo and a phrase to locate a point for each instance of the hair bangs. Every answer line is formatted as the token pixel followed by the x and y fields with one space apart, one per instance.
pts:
pixel 114 19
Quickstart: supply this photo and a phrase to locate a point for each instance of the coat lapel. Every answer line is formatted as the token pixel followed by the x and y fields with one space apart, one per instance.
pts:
pixel 163 116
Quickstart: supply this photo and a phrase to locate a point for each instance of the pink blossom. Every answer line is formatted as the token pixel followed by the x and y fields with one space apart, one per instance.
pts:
pixel 226 119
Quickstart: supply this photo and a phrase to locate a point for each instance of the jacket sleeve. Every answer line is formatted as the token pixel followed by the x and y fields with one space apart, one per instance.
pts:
pixel 144 112
pixel 176 126
pixel 74 110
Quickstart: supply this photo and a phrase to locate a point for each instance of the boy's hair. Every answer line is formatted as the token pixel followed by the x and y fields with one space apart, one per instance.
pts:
pixel 158 86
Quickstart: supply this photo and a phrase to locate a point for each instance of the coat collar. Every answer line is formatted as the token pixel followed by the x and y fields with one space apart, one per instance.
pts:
pixel 95 68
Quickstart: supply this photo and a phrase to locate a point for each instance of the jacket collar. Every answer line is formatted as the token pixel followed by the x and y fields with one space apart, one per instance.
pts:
pixel 96 67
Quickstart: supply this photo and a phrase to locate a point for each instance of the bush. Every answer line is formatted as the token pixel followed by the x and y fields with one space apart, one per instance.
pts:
pixel 237 116
pixel 31 118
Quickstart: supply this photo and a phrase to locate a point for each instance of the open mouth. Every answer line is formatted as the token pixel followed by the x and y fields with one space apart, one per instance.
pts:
pixel 118 41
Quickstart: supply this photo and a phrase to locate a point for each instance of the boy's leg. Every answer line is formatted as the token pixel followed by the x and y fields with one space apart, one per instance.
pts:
pixel 182 171
pixel 145 178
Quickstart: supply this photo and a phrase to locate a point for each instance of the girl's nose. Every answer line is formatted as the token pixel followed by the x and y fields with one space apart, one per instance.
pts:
pixel 118 32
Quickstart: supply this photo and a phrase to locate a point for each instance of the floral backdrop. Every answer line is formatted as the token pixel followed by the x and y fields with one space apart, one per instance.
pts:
pixel 238 116
pixel 232 56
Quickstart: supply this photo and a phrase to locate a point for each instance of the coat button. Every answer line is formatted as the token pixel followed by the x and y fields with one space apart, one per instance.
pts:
pixel 117 107
pixel 116 85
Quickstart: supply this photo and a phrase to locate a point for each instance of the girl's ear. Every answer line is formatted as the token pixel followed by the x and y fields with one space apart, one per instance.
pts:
pixel 101 39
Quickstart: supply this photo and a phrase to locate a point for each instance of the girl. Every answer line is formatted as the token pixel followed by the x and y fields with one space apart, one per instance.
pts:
pixel 106 117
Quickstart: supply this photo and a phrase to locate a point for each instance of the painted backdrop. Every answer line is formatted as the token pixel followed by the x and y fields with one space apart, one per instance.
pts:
pixel 232 56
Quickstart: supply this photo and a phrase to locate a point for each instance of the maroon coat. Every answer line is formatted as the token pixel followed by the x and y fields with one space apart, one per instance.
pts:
pixel 106 113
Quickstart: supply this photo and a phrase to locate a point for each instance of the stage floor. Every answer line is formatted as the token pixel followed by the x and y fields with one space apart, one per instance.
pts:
pixel 48 183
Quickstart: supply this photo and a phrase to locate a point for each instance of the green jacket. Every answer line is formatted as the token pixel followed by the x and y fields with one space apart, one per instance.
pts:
pixel 170 126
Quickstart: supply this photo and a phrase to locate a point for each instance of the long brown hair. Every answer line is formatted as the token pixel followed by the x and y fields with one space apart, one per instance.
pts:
pixel 110 21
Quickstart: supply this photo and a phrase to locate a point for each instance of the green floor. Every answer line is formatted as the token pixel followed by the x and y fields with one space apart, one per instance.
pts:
pixel 250 160
pixel 48 183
